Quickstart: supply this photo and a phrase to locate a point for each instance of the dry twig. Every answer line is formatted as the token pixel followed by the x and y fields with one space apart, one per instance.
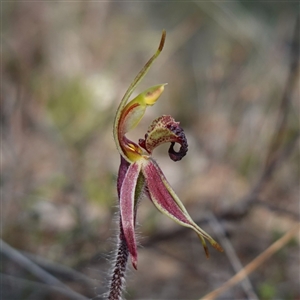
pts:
pixel 254 264
pixel 232 256
pixel 46 288
pixel 58 270
pixel 34 269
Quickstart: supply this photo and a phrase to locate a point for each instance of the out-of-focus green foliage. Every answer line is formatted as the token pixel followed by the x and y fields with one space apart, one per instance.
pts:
pixel 267 291
pixel 98 193
pixel 71 109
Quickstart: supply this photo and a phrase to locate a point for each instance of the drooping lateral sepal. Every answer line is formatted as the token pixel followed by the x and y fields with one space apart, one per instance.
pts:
pixel 165 130
pixel 166 201
pixel 127 208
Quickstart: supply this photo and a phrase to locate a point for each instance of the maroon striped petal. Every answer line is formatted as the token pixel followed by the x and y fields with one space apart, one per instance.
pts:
pixel 166 201
pixel 160 195
pixel 127 210
pixel 122 172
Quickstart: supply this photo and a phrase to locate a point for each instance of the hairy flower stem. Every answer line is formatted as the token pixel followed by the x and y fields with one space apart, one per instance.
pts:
pixel 118 274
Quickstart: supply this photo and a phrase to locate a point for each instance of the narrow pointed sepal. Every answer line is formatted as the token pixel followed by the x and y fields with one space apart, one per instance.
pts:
pixel 128 117
pixel 166 201
pixel 204 245
pixel 127 209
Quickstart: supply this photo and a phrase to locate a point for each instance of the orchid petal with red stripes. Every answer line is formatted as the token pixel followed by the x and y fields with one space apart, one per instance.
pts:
pixel 127 201
pixel 166 201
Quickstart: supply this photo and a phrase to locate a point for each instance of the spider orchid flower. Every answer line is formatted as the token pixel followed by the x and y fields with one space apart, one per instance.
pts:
pixel 138 172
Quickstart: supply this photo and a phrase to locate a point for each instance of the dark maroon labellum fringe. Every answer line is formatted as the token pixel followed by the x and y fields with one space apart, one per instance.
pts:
pixel 178 131
pixel 176 156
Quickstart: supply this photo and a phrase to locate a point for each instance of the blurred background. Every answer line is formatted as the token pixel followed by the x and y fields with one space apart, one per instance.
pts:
pixel 231 69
